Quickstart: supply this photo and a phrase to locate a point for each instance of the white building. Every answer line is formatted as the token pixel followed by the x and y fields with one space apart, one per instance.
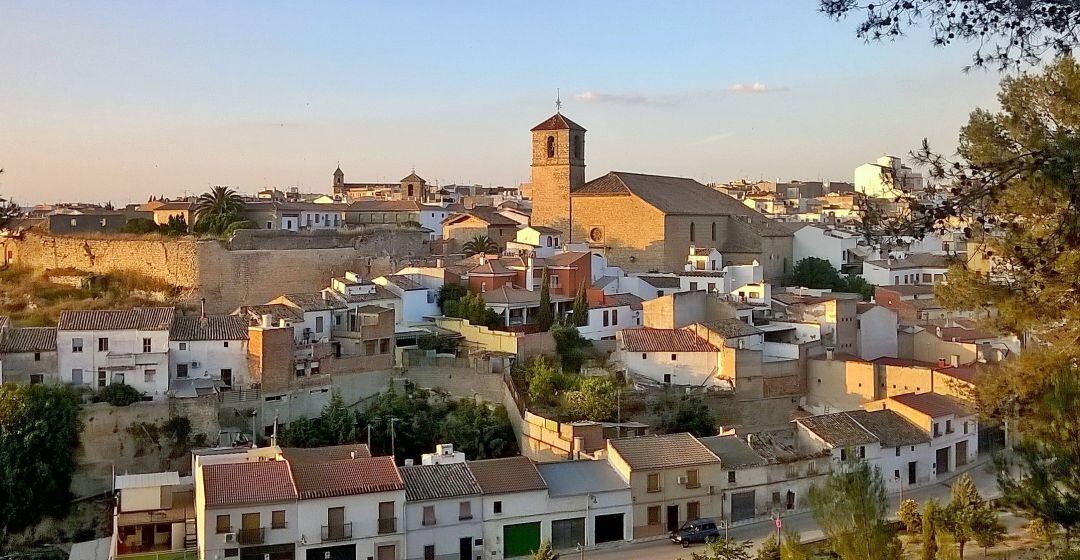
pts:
pixel 887 178
pixel 673 356
pixel 417 300
pixel 541 241
pixel 207 352
pixel 443 512
pixel 877 335
pixel 589 503
pixel 611 314
pixel 912 269
pixel 316 312
pixel 513 497
pixel 98 347
pixel 829 244
pixel 953 426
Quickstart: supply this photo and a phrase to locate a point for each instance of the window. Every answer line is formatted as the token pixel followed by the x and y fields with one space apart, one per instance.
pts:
pixel 693 510
pixel 497 507
pixel 76 376
pixel 654 482
pixel 731 477
pixel 948 427
pixel 714 231
pixel 937 429
pixel 102 378
pixel 232 552
pixel 790 499
pixel 37 379
pixel 483 287
pixel 577 146
pixel 843 454
pixel 691 231
pixel 76 345
pixel 644 355
pixel 369 347
pixel 318 324
pixel 464 511
pixel 103 344
pixel 277 519
pixel 692 481
pixel 225 344
pixel 429 516
pixel 965 427
pixel 384 345
pixel 614 316
pixel 181 370
pixel 183 345
pixel 607 318
pixel 897 451
pixel 862 451
pixel 674 357
pixel 146 345
pixel 554 280
pixel 654 515
pixel 551 146
pixel 226 376
pixel 224 524
pixel 148 375
pixel 693 286
pixel 37 358
pixel 429 552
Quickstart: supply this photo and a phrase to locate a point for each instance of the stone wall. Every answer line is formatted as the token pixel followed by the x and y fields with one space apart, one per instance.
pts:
pixel 632 231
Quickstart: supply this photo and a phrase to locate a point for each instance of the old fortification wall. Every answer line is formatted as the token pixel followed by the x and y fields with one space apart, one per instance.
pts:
pixel 252 268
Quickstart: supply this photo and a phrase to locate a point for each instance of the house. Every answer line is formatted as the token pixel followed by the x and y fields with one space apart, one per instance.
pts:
pixel 834 312
pixel 885 439
pixel 913 269
pixel 154 513
pixel 462 227
pixel 207 348
pixel 610 313
pixel 590 504
pixel 541 241
pixel 672 479
pixel 513 494
pixel 443 511
pixel 27 354
pixel 96 348
pixel 951 423
pixel 671 356
pixel 237 519
pixel 887 178
pixel 180 209
pixel 876 334
pixel 295 216
pixel 830 244
pixel 844 382
pixel 417 301
pixel 88 221
pixel 317 310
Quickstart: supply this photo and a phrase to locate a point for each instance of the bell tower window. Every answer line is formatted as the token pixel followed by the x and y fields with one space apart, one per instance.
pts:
pixel 551 146
pixel 577 146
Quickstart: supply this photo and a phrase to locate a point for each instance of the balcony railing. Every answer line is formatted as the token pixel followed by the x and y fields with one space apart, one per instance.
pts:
pixel 251 536
pixel 387 525
pixel 336 532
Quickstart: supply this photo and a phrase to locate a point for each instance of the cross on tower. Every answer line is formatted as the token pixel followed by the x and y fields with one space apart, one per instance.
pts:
pixel 558 101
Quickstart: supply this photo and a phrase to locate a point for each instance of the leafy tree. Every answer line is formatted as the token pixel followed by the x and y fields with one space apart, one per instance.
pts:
pixel 140 226
pixel 450 292
pixel 814 273
pixel 855 284
pixel 544 552
pixel 238 225
pixel 851 509
pixel 684 413
pixel 480 245
pixel 909 515
pixel 118 394
pixel 931 515
pixel 1008 32
pixel 581 307
pixel 177 225
pixel 1040 530
pixel 723 549
pixel 988 531
pixel 479 431
pixel 440 343
pixel 39 436
pixel 338 422
pixel 217 209
pixel 963 513
pixel 545 381
pixel 302 432
pixel 472 308
pixel 545 316
pixel 570 346
pixel 595 399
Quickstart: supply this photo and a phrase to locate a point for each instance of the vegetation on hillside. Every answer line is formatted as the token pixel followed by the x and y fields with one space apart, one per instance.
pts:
pixel 32 300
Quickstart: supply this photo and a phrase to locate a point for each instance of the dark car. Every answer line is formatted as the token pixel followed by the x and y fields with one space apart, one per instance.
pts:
pixel 696 531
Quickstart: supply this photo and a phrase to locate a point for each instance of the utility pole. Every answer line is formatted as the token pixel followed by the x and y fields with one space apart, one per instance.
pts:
pixel 369 438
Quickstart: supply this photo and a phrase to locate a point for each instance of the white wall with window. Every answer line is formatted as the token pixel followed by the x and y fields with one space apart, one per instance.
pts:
pixel 96 359
pixel 223 360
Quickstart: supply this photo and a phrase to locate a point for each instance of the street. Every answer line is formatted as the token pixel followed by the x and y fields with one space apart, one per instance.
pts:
pixel 803 522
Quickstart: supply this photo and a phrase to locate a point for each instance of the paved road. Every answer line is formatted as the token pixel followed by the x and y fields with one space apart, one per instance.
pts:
pixel 982 473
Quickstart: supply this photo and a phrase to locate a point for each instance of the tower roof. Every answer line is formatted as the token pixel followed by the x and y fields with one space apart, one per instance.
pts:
pixel 413 178
pixel 558 122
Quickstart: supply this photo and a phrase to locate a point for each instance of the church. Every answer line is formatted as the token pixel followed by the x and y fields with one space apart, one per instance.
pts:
pixel 642 222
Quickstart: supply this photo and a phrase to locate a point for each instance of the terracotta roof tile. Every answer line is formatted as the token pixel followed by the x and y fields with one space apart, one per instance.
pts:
pixel 933 404
pixel 664 340
pixel 211 327
pixel 139 318
pixel 663 451
pixel 231 484
pixel 503 476
pixel 558 122
pixel 347 477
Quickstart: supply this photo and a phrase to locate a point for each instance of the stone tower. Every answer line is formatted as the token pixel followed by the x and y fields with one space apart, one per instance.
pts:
pixel 558 167
pixel 339 179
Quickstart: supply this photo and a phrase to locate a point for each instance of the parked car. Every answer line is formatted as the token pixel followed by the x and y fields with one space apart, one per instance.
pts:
pixel 696 531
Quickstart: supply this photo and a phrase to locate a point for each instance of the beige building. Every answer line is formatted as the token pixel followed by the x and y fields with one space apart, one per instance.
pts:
pixel 644 222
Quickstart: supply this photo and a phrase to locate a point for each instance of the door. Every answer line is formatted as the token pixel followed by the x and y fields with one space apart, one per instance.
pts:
pixel 693 510
pixel 521 539
pixel 386 552
pixel 335 523
pixel 673 518
pixel 608 528
pixel 226 377
pixel 465 548
pixel 961 453
pixel 911 472
pixel 567 533
pixel 742 506
pixel 942 460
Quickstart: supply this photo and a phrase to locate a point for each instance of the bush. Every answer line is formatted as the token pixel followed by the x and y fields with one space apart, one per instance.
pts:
pixel 119 394
pixel 684 414
pixel 595 399
pixel 546 382
pixel 1040 530
pixel 910 516
pixel 140 226
pixel 440 343
pixel 570 345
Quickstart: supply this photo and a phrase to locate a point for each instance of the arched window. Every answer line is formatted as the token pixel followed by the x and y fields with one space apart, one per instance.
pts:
pixel 714 231
pixel 577 146
pixel 551 147
pixel 691 231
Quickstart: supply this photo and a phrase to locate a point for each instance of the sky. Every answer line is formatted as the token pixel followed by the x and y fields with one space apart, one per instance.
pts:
pixel 117 101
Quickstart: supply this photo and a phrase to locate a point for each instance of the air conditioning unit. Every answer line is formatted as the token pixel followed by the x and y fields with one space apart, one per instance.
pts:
pixel 230 537
pixel 683 480
pixel 196 365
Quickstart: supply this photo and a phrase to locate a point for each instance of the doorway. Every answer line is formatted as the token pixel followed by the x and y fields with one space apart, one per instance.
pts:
pixel 673 518
pixel 911 472
pixel 942 461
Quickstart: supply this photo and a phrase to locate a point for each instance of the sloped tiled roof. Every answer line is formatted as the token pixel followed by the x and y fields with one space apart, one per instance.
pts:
pixel 404 282
pixel 211 327
pixel 298 456
pixel 384 206
pixel 619 300
pixel 913 260
pixel 663 451
pixel 733 451
pixel 663 282
pixel 566 258
pixel 277 312
pixel 232 484
pixel 558 122
pixel 731 327
pixel 510 474
pixel 28 339
pixel 664 340
pixel 891 429
pixel 313 301
pixel 933 405
pixel 838 429
pixel 670 195
pixel 139 318
pixel 436 482
pixel 346 477
pixel 413 178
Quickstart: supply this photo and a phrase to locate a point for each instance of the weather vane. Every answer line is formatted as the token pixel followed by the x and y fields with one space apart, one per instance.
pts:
pixel 558 101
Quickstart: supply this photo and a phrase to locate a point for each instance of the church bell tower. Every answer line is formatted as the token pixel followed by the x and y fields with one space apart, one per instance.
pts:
pixel 558 167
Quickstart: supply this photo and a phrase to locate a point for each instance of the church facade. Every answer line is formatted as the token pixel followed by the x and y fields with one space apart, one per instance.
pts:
pixel 645 222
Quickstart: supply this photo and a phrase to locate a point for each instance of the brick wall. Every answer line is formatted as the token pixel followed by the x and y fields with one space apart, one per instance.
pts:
pixel 270 357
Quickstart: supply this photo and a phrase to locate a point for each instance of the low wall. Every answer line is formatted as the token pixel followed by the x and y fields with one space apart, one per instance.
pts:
pixel 522 345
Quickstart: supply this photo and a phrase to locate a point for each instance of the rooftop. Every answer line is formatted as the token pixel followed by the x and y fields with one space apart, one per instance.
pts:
pixel 510 474
pixel 731 327
pixel 27 339
pixel 230 484
pixel 662 451
pixel 733 451
pixel 664 340
pixel 436 482
pixel 558 122
pixel 211 327
pixel 572 478
pixel 933 405
pixel 139 318
pixel 913 260
pixel 838 429
pixel 891 429
pixel 347 477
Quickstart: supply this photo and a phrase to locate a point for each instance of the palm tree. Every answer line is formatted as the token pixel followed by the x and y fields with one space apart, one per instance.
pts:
pixel 479 244
pixel 219 201
pixel 8 210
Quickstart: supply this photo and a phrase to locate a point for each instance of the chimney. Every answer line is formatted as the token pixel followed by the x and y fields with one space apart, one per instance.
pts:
pixel 579 447
pixel 483 258
pixel 352 454
pixel 202 312
pixel 530 272
pixel 408 462
pixel 267 321
pixel 829 352
pixel 438 263
pixel 954 360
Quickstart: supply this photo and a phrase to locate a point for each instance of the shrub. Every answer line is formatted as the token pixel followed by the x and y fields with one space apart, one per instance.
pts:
pixel 910 516
pixel 1040 530
pixel 119 394
pixel 595 399
pixel 440 343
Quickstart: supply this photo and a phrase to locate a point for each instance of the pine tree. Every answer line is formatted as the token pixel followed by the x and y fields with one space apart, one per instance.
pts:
pixel 581 307
pixel 930 517
pixel 545 317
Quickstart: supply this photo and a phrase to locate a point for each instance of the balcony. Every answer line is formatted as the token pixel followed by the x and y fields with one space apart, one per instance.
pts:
pixel 336 532
pixel 387 525
pixel 251 536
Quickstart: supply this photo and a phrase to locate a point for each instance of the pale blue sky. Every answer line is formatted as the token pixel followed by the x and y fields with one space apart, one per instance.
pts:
pixel 117 100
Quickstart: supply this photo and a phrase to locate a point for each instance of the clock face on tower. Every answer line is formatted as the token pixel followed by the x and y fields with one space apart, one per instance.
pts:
pixel 596 234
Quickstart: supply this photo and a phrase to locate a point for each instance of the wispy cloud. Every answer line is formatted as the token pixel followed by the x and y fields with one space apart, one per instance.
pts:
pixel 590 96
pixel 756 87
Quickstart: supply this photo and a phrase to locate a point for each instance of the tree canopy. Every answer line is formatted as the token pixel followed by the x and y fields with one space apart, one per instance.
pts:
pixel 217 210
pixel 819 274
pixel 851 508
pixel 481 244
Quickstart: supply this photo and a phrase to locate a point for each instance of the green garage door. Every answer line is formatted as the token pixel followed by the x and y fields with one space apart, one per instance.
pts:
pixel 521 539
